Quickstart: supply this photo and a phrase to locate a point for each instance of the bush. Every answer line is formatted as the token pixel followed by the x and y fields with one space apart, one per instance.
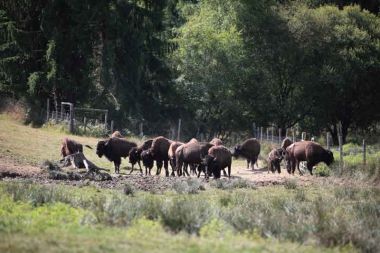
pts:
pixel 322 170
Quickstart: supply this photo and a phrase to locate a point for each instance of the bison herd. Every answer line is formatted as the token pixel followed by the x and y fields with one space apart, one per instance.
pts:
pixel 194 157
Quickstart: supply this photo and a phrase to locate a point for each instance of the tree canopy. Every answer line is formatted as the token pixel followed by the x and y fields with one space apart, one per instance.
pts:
pixel 218 65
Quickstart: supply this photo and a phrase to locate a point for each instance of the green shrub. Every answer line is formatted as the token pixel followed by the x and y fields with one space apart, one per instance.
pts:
pixel 322 170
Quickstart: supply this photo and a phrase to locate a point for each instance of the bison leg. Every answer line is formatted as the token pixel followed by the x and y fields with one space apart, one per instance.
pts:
pixel 310 166
pixel 298 168
pixel 225 173
pixel 117 163
pixel 159 166
pixel 248 161
pixel 141 171
pixel 185 172
pixel 166 166
pixel 229 171
pixel 132 168
pixel 278 167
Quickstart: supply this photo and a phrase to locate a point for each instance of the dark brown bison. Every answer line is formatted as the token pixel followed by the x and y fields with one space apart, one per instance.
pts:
pixel 308 151
pixel 147 160
pixel 190 154
pixel 70 147
pixel 114 149
pixel 135 154
pixel 216 141
pixel 159 151
pixel 117 134
pixel 217 159
pixel 250 150
pixel 274 159
pixel 171 153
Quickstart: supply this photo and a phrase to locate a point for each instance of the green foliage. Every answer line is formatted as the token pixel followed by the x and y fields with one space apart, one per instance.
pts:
pixel 322 170
pixel 330 216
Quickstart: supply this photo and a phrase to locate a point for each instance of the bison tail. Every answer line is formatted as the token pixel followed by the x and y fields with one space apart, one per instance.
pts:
pixel 88 146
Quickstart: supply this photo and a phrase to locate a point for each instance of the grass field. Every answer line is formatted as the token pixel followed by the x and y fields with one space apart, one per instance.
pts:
pixel 226 217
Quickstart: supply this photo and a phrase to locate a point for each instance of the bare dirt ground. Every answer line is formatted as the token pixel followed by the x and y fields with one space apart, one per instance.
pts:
pixel 12 171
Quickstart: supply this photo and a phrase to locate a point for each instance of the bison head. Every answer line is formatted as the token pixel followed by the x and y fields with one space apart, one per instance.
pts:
pixel 147 158
pixel 211 165
pixel 236 151
pixel 101 148
pixel 134 155
pixel 329 159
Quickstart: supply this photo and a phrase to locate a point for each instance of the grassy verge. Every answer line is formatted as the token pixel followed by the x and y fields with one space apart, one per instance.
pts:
pixel 216 220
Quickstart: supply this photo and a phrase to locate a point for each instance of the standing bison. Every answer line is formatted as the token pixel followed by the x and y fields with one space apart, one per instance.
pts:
pixel 217 159
pixel 159 152
pixel 114 149
pixel 135 154
pixel 286 143
pixel 190 154
pixel 250 150
pixel 308 151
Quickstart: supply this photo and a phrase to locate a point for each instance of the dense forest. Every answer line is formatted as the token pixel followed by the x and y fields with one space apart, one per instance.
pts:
pixel 218 65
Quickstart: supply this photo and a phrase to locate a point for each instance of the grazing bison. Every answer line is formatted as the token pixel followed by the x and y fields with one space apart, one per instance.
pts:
pixel 216 142
pixel 308 151
pixel 217 159
pixel 70 147
pixel 114 149
pixel 159 150
pixel 190 154
pixel 135 154
pixel 117 134
pixel 147 160
pixel 250 150
pixel 274 159
pixel 171 153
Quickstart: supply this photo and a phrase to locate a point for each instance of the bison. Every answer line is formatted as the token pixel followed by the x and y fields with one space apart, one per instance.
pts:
pixel 190 154
pixel 159 150
pixel 147 160
pixel 70 147
pixel 113 149
pixel 171 153
pixel 250 150
pixel 274 159
pixel 135 154
pixel 308 151
pixel 217 159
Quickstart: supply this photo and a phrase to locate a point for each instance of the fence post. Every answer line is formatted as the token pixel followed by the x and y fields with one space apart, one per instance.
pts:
pixel 179 130
pixel 141 129
pixel 340 146
pixel 364 152
pixel 253 129
pixel 267 134
pixel 272 134
pixel 293 135
pixel 279 135
pixel 303 136
pixel 328 140
pixel 71 121
pixel 47 109
pixel 111 127
pixel 105 120
pixel 261 134
pixel 61 116
pixel 84 124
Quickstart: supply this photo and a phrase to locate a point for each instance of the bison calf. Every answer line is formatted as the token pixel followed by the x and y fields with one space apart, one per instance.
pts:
pixel 274 159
